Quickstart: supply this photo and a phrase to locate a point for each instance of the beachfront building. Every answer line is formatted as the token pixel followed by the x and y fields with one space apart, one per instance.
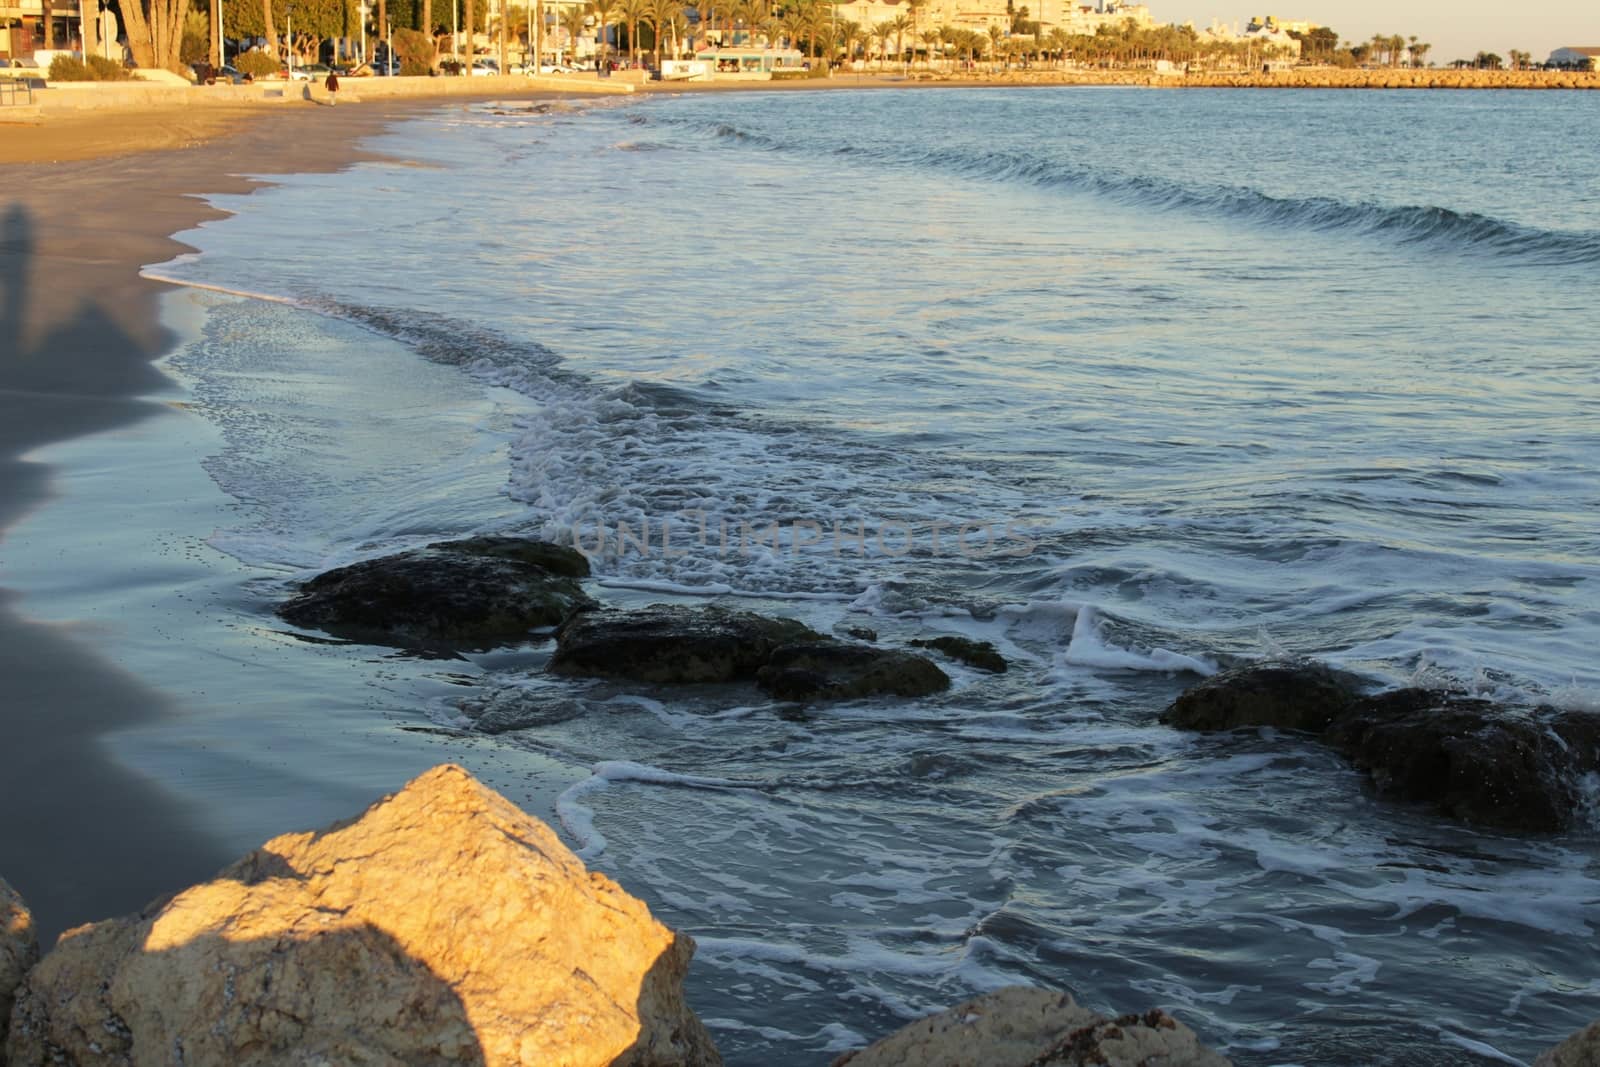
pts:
pixel 1267 35
pixel 1576 57
pixel 23 32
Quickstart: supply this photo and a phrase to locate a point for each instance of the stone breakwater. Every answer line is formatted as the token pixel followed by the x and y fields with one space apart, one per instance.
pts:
pixel 1301 78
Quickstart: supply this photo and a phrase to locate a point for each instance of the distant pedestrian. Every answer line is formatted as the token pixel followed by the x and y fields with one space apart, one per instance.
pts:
pixel 332 85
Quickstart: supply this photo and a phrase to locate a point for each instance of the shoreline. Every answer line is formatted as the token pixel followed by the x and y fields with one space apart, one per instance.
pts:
pixel 123 121
pixel 80 331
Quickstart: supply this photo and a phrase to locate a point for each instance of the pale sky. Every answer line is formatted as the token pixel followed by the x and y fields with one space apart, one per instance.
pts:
pixel 1455 28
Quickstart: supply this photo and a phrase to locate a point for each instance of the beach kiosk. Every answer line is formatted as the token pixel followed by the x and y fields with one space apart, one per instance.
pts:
pixel 750 64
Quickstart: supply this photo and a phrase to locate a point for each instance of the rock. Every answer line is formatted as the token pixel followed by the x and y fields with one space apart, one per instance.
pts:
pixel 514 708
pixel 980 654
pixel 668 644
pixel 1023 1027
pixel 442 926
pixel 836 670
pixel 19 950
pixel 557 559
pixel 1484 763
pixel 485 590
pixel 1291 695
pixel 861 633
pixel 1582 1049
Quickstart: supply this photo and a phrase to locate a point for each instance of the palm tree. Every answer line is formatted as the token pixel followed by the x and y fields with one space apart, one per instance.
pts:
pixel 603 12
pixel 881 33
pixel 662 15
pixel 996 35
pixel 1419 52
pixel 573 20
pixel 848 32
pixel 930 42
pixel 751 13
pixel 633 12
pixel 900 24
pixel 915 8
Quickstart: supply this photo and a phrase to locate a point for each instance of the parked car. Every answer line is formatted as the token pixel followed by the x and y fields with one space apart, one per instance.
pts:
pixel 557 68
pixel 209 75
pixel 485 68
pixel 310 72
pixel 27 70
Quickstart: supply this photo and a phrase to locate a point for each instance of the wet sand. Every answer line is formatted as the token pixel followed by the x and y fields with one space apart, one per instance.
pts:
pixel 84 838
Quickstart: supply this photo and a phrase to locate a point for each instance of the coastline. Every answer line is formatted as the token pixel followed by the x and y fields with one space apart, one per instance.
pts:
pixel 80 330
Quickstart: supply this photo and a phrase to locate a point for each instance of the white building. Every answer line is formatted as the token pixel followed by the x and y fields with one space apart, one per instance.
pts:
pixel 1580 56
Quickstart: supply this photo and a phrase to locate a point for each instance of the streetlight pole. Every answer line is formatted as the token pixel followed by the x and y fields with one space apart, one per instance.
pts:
pixel 388 51
pixel 362 11
pixel 455 33
pixel 289 14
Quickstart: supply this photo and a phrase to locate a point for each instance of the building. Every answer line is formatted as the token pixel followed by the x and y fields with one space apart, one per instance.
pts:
pixel 1577 57
pixel 22 26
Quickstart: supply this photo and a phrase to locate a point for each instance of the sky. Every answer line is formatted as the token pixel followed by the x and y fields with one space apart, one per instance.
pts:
pixel 1455 28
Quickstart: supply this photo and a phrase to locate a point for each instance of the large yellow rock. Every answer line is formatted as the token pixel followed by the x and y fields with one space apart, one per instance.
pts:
pixel 442 926
pixel 19 949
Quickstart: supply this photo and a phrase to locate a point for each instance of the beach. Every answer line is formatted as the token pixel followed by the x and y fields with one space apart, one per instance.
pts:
pixel 79 330
pixel 1237 392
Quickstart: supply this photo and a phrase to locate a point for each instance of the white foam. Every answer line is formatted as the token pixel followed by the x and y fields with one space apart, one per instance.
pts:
pixel 1089 648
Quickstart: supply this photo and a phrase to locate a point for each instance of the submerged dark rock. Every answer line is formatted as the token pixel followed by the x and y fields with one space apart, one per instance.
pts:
pixel 837 670
pixel 1020 1026
pixel 980 654
pixel 557 559
pixel 459 593
pixel 1582 1049
pixel 1489 764
pixel 1291 695
pixel 668 644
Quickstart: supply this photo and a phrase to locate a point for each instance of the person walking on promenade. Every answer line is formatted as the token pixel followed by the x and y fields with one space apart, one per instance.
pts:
pixel 332 85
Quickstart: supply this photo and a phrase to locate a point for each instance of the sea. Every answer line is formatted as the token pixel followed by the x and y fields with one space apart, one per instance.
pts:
pixel 1135 384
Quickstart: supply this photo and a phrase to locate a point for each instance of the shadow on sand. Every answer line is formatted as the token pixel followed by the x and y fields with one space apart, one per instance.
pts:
pixel 82 837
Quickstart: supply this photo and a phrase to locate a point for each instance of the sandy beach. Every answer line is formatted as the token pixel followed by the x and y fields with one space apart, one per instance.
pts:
pixel 78 332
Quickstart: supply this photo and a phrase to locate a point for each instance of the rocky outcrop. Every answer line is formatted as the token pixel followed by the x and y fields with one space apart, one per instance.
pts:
pixel 475 592
pixel 1582 1049
pixel 442 926
pixel 837 670
pixel 1489 764
pixel 980 654
pixel 1484 763
pixel 1023 1027
pixel 19 950
pixel 668 644
pixel 1290 695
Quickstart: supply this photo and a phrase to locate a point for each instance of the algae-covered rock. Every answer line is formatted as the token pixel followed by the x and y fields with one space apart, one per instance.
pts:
pixel 1023 1027
pixel 1293 695
pixel 19 950
pixel 980 654
pixel 455 593
pixel 669 644
pixel 837 670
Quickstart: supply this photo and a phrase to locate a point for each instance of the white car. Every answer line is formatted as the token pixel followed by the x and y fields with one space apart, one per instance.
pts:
pixel 485 68
pixel 557 68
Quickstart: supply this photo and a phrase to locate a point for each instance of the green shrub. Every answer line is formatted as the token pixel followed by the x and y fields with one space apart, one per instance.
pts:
pixel 416 51
pixel 108 70
pixel 257 64
pixel 97 69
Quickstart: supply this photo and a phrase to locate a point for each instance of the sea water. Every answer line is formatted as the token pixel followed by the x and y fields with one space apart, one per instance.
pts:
pixel 1134 384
